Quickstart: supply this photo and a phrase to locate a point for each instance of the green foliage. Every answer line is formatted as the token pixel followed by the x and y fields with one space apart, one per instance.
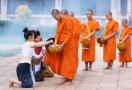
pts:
pixel 23 15
pixel 10 27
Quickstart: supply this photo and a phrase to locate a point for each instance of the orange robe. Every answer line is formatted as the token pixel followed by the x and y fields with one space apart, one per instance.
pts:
pixel 88 55
pixel 126 55
pixel 77 31
pixel 63 63
pixel 109 51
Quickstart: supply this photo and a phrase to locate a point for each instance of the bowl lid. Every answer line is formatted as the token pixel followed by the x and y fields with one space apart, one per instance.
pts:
pixel 47 46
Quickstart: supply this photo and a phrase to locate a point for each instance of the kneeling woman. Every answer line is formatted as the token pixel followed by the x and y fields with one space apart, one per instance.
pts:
pixel 24 71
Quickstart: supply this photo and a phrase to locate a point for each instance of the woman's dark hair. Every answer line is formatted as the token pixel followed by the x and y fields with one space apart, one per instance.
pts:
pixel 36 33
pixel 27 33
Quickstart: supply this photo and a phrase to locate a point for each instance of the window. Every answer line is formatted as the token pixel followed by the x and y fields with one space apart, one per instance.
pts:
pixel 123 7
pixel 36 6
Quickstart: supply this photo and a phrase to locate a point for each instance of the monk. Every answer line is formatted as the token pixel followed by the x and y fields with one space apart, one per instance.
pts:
pixel 124 37
pixel 63 62
pixel 109 35
pixel 77 30
pixel 71 14
pixel 88 55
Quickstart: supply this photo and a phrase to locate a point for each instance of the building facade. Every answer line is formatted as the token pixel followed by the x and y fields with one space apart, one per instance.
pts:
pixel 41 9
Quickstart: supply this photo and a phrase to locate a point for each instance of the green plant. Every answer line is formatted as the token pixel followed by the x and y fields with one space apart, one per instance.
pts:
pixel 23 15
pixel 10 27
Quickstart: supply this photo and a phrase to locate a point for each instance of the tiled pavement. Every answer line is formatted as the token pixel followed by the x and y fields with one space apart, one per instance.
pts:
pixel 98 79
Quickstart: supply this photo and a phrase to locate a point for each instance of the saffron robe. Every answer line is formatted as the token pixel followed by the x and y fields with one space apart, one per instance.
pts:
pixel 64 62
pixel 88 55
pixel 109 49
pixel 126 55
pixel 77 31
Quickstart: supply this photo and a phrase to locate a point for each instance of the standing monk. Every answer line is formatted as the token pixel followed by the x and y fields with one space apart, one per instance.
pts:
pixel 77 30
pixel 109 35
pixel 63 62
pixel 124 37
pixel 88 55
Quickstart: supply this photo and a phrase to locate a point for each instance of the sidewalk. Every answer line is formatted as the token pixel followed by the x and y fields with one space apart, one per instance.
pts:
pixel 98 79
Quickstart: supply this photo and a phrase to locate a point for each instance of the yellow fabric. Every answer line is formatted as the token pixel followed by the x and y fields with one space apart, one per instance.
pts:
pixel 104 30
pixel 86 42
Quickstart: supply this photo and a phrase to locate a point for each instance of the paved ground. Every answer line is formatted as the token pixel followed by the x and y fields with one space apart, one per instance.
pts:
pixel 98 79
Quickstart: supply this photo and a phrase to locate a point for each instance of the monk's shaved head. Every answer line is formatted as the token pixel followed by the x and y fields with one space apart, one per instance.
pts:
pixel 124 20
pixel 56 14
pixel 64 12
pixel 109 12
pixel 55 11
pixel 89 14
pixel 109 15
pixel 71 14
pixel 89 10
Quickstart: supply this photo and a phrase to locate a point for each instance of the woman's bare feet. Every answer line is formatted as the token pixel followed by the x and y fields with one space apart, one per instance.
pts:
pixel 11 83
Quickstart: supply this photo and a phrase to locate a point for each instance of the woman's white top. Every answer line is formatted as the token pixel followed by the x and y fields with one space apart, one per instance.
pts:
pixel 27 52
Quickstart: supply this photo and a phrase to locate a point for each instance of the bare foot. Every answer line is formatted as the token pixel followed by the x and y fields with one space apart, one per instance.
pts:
pixel 110 68
pixel 90 69
pixel 63 78
pixel 64 81
pixel 106 68
pixel 125 66
pixel 86 69
pixel 69 82
pixel 121 65
pixel 11 84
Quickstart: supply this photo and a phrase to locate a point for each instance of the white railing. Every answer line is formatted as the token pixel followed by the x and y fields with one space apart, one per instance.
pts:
pixel 48 20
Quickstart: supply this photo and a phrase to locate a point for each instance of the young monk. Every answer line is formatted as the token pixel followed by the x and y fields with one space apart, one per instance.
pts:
pixel 77 30
pixel 124 37
pixel 63 62
pixel 109 50
pixel 88 55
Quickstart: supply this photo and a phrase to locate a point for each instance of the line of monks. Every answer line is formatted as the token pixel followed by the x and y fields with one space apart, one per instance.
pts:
pixel 68 32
